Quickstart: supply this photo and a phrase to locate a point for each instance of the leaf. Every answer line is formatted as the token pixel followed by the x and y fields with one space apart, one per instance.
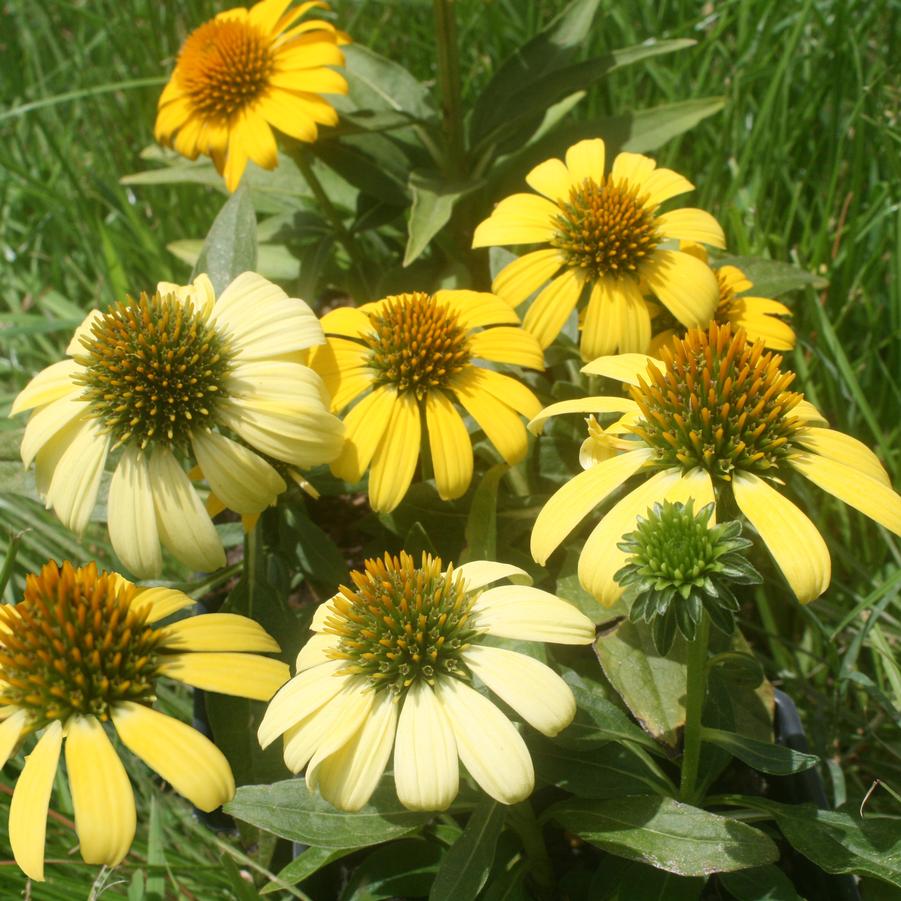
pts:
pixel 309 861
pixel 274 261
pixel 290 810
pixel 836 841
pixel 379 83
pixel 481 524
pixel 615 880
pixel 371 163
pixel 433 204
pixel 230 247
pixel 404 869
pixel 465 867
pixel 759 755
pixel 772 278
pixel 155 887
pixel 666 834
pixel 652 687
pixel 759 884
pixel 317 555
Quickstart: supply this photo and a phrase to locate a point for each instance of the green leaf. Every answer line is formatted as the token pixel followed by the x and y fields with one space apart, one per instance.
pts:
pixel 230 247
pixel 290 810
pixel 274 261
pixel 304 865
pixel 155 886
pixel 465 867
pixel 317 555
pixel 481 524
pixel 616 879
pixel 836 841
pixel 433 204
pixel 370 162
pixel 759 884
pixel 379 83
pixel 666 834
pixel 772 278
pixel 652 687
pixel 404 869
pixel 759 755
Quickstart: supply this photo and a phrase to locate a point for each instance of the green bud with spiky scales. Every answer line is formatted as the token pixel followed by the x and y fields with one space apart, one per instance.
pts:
pixel 680 567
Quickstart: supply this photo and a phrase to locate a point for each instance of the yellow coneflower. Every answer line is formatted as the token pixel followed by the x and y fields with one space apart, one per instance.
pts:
pixel 82 651
pixel 714 415
pixel 245 73
pixel 391 665
pixel 603 236
pixel 410 356
pixel 159 378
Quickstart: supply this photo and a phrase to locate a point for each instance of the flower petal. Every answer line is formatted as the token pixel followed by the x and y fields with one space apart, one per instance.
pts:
pixel 507 344
pixel 574 501
pixel 530 614
pixel 503 427
pixel 426 772
pixel 632 167
pixel 315 651
pixel 842 448
pixel 549 311
pixel 364 426
pixel 792 539
pixel 51 419
pixel 479 573
pixel 218 632
pixel 554 180
pixel 395 457
pixel 31 800
pixel 477 309
pixel 187 760
pixel 625 368
pixel 684 285
pixel 162 602
pixel 102 797
pixel 518 219
pixel 487 742
pixel 48 385
pixel 662 184
pixel 132 517
pixel 450 446
pixel 11 730
pixel 586 159
pixel 532 689
pixel 599 404
pixel 691 225
pixel 238 675
pixel 616 318
pixel 519 278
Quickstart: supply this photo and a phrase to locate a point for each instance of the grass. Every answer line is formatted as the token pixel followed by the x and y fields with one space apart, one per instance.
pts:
pixel 803 165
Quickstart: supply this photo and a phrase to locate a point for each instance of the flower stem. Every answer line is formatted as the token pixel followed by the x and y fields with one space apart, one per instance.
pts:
pixel 522 819
pixel 696 689
pixel 251 550
pixel 449 83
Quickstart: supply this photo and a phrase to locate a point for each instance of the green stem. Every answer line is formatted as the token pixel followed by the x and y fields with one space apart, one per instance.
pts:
pixel 522 818
pixel 251 550
pixel 696 689
pixel 7 570
pixel 449 83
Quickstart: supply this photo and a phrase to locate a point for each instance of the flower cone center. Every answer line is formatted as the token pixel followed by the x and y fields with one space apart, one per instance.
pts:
pixel 224 66
pixel 721 403
pixel 75 645
pixel 606 229
pixel 154 371
pixel 400 622
pixel 418 344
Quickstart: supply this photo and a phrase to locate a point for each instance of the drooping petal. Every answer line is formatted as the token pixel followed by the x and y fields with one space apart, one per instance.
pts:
pixel 487 742
pixel 623 367
pixel 581 494
pixel 507 390
pixel 549 311
pixel 479 573
pixel 104 802
pixel 47 422
pixel 31 800
pixel 426 772
pixel 48 385
pixel 162 602
pixel 521 277
pixel 616 319
pixel 450 446
pixel 218 632
pixel 132 516
pixel 792 539
pixel 11 730
pixel 684 285
pixel 365 426
pixel 239 675
pixel 530 614
pixel 532 689
pixel 599 404
pixel 187 760
pixel 842 448
pixel 395 458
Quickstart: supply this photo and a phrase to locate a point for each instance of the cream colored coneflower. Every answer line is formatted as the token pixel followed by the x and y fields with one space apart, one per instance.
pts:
pixel 245 73
pixel 391 667
pixel 713 420
pixel 410 356
pixel 602 235
pixel 82 651
pixel 161 379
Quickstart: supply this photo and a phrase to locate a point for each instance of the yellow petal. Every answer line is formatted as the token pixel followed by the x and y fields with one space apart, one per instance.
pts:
pixel 632 167
pixel 187 760
pixel 549 311
pixel 520 278
pixel 487 742
pixel 684 285
pixel 792 539
pixel 586 160
pixel 808 413
pixel 218 632
pixel 503 427
pixel 315 651
pixel 506 344
pixel 552 178
pixel 775 333
pixel 616 318
pixel 623 367
pixel 508 390
pixel 689 224
pixel 364 427
pixel 530 614
pixel 518 219
pixel 31 799
pixel 450 446
pixel 426 772
pixel 662 184
pixel 51 419
pixel 132 517
pixel 854 486
pixel 242 480
pixel 351 322
pixel 842 448
pixel 348 777
pixel 48 385
pixel 479 573
pixel 396 456
pixel 239 675
pixel 532 689
pixel 104 803
pixel 600 404
pixel 185 527
pixel 477 309
pixel 285 112
pixel 162 602
pixel 10 732
pixel 286 383
pixel 574 501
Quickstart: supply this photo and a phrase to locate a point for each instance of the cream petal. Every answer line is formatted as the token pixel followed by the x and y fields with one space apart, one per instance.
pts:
pixel 426 772
pixel 83 332
pixel 305 737
pixel 530 614
pixel 843 449
pixel 792 539
pixel 291 385
pixel 487 742
pixel 48 385
pixel 132 516
pixel 11 729
pixel 479 573
pixel 315 651
pixel 47 422
pixel 105 817
pixel 187 760
pixel 578 497
pixel 31 800
pixel 532 689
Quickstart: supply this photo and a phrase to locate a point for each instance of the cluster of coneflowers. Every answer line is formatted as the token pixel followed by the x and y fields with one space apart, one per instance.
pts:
pixel 202 403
